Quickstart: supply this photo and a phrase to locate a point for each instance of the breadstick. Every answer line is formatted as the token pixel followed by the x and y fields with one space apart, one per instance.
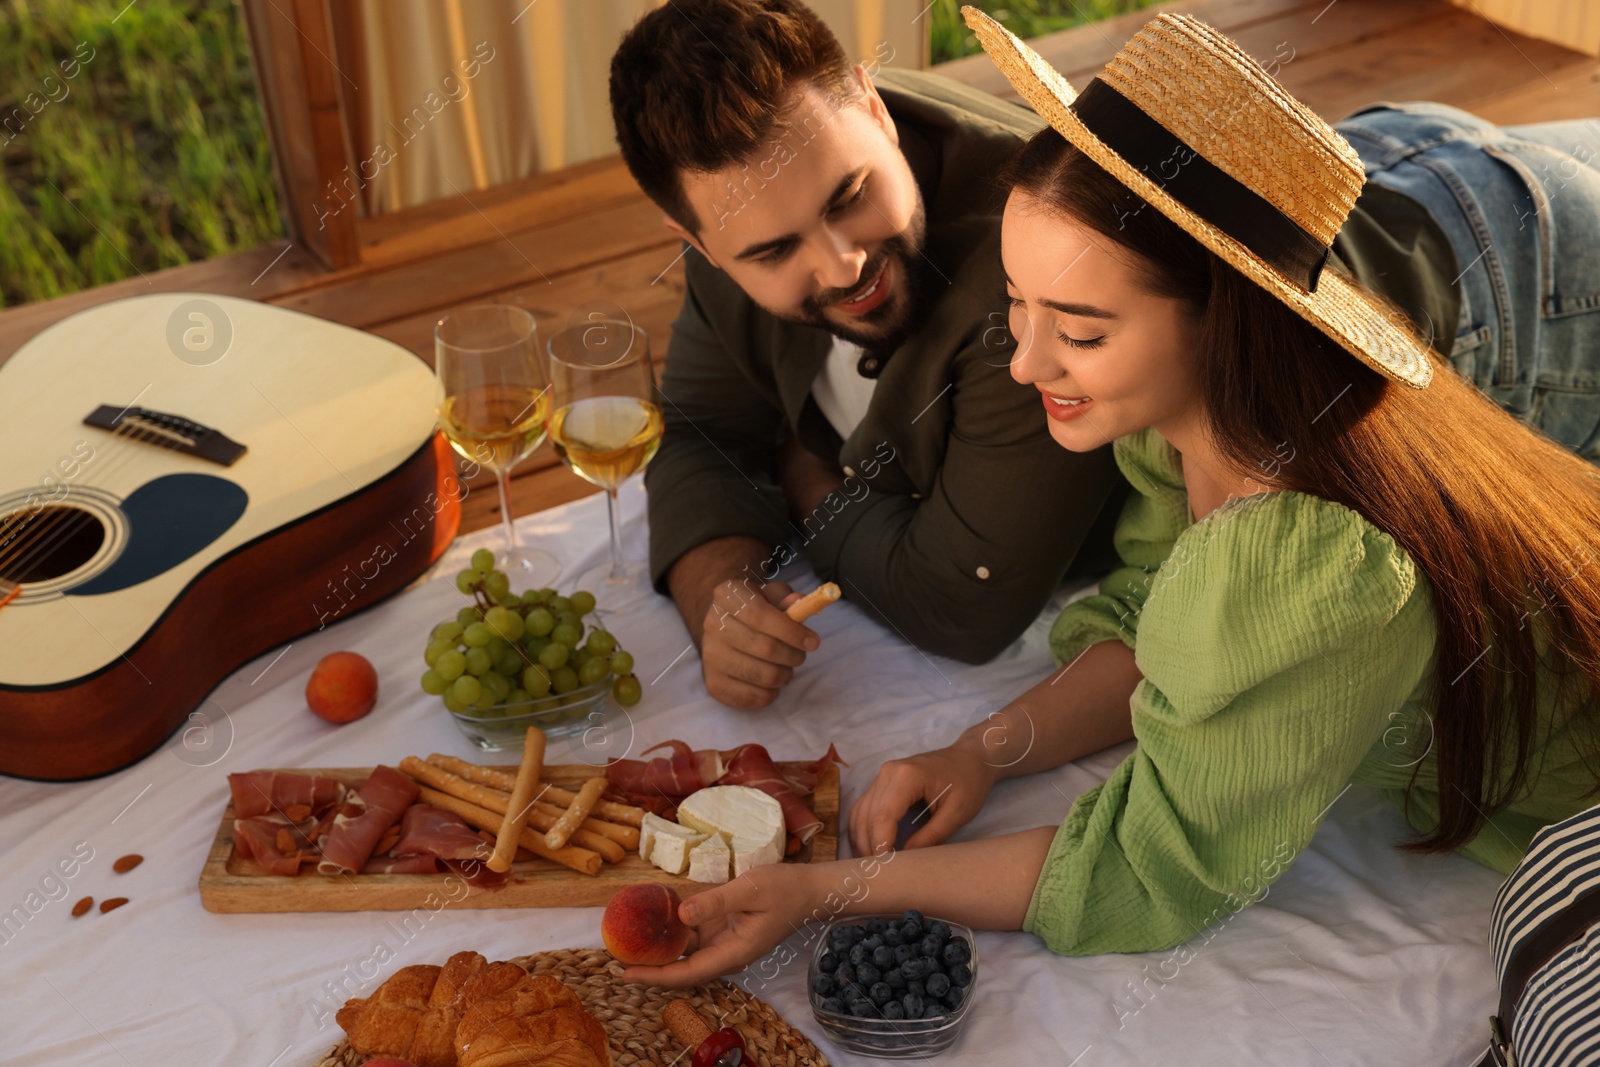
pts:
pixel 626 814
pixel 496 801
pixel 687 1026
pixel 813 602
pixel 505 846
pixel 579 859
pixel 626 836
pixel 562 831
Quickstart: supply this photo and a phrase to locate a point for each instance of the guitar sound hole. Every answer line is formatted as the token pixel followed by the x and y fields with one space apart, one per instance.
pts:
pixel 39 546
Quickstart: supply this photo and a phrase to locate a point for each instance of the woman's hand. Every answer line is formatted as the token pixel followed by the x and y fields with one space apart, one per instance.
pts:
pixel 954 781
pixel 734 925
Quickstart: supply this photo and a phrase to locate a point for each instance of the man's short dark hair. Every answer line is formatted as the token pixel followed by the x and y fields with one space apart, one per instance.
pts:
pixel 697 85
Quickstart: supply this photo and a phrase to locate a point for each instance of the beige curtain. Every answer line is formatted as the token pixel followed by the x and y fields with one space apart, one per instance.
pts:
pixel 1573 23
pixel 448 96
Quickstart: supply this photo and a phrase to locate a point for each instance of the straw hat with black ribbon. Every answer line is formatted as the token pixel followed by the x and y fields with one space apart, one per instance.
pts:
pixel 1189 122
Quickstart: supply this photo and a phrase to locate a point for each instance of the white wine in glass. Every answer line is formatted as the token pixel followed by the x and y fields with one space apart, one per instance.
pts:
pixel 604 439
pixel 493 406
pixel 606 424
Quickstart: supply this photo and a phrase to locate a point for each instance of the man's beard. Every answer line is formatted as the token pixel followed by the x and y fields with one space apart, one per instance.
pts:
pixel 887 326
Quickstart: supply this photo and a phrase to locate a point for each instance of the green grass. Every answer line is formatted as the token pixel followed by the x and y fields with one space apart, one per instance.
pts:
pixel 153 155
pixel 1025 18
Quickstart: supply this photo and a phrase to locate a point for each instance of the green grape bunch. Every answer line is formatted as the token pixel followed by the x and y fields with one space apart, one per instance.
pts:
pixel 509 649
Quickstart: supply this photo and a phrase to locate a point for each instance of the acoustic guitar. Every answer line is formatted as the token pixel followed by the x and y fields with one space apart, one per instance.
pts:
pixel 186 482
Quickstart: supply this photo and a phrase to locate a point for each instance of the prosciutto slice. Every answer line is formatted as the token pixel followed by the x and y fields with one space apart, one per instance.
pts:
pixel 257 838
pixel 377 805
pixel 677 775
pixel 427 831
pixel 262 792
pixel 751 765
pixel 418 864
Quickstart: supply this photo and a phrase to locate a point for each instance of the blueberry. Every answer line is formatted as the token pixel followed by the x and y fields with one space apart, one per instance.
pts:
pixel 911 915
pixel 877 926
pixel 867 973
pixel 903 953
pixel 933 1010
pixel 833 1004
pixel 892 937
pixel 828 963
pixel 952 999
pixel 914 968
pixel 896 979
pixel 911 929
pixel 917 986
pixel 938 984
pixel 880 993
pixel 940 929
pixel 883 957
pixel 913 1005
pixel 931 965
pixel 859 953
pixel 823 985
pixel 852 992
pixel 845 975
pixel 840 938
pixel 957 951
pixel 893 1010
pixel 863 1008
pixel 930 945
pixel 960 975
pixel 873 941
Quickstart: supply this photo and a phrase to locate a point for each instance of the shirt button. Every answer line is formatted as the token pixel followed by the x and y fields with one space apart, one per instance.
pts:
pixel 983 572
pixel 870 365
pixel 849 472
pixel 916 496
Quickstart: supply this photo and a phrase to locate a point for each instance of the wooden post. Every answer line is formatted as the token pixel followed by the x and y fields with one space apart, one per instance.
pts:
pixel 301 87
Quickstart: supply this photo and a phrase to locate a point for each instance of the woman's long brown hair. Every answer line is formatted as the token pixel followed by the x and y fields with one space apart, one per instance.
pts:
pixel 1504 522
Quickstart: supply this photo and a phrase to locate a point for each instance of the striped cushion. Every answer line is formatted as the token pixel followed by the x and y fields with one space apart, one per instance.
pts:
pixel 1557 1019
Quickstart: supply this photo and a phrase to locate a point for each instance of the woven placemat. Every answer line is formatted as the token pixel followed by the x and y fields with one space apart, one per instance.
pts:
pixel 631 1015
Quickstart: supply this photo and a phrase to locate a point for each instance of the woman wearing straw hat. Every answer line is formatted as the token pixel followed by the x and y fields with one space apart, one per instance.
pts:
pixel 1342 561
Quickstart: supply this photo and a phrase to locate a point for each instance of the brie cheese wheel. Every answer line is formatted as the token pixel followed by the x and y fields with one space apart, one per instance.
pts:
pixel 666 844
pixel 748 852
pixel 708 861
pixel 748 821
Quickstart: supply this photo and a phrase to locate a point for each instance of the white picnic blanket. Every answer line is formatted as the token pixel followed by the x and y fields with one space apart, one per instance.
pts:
pixel 1359 954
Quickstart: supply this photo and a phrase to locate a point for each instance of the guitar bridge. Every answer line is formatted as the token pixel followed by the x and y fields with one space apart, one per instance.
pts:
pixel 168 431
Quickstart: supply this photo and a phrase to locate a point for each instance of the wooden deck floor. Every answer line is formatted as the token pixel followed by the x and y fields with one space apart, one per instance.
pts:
pixel 556 242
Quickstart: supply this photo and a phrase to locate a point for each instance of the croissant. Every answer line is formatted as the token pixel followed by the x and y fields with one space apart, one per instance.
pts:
pixel 471 1013
pixel 536 1023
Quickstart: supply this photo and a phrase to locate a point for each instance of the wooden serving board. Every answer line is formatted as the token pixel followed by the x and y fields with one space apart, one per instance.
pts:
pixel 231 884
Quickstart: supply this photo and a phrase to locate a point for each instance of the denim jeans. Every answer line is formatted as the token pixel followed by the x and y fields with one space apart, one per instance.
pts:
pixel 1521 208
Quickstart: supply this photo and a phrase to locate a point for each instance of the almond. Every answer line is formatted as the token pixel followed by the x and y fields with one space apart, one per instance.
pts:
pixel 127 863
pixel 297 812
pixel 390 837
pixel 112 904
pixel 285 840
pixel 82 906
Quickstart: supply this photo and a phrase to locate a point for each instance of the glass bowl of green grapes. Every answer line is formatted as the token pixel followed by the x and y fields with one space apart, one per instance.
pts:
pixel 509 661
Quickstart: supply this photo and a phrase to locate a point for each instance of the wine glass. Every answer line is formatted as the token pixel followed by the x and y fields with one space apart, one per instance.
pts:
pixel 606 421
pixel 493 403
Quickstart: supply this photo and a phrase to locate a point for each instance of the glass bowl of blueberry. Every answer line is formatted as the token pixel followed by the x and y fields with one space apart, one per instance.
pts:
pixel 893 986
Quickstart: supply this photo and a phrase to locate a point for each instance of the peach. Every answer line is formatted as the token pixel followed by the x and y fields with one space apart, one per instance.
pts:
pixel 641 925
pixel 343 687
